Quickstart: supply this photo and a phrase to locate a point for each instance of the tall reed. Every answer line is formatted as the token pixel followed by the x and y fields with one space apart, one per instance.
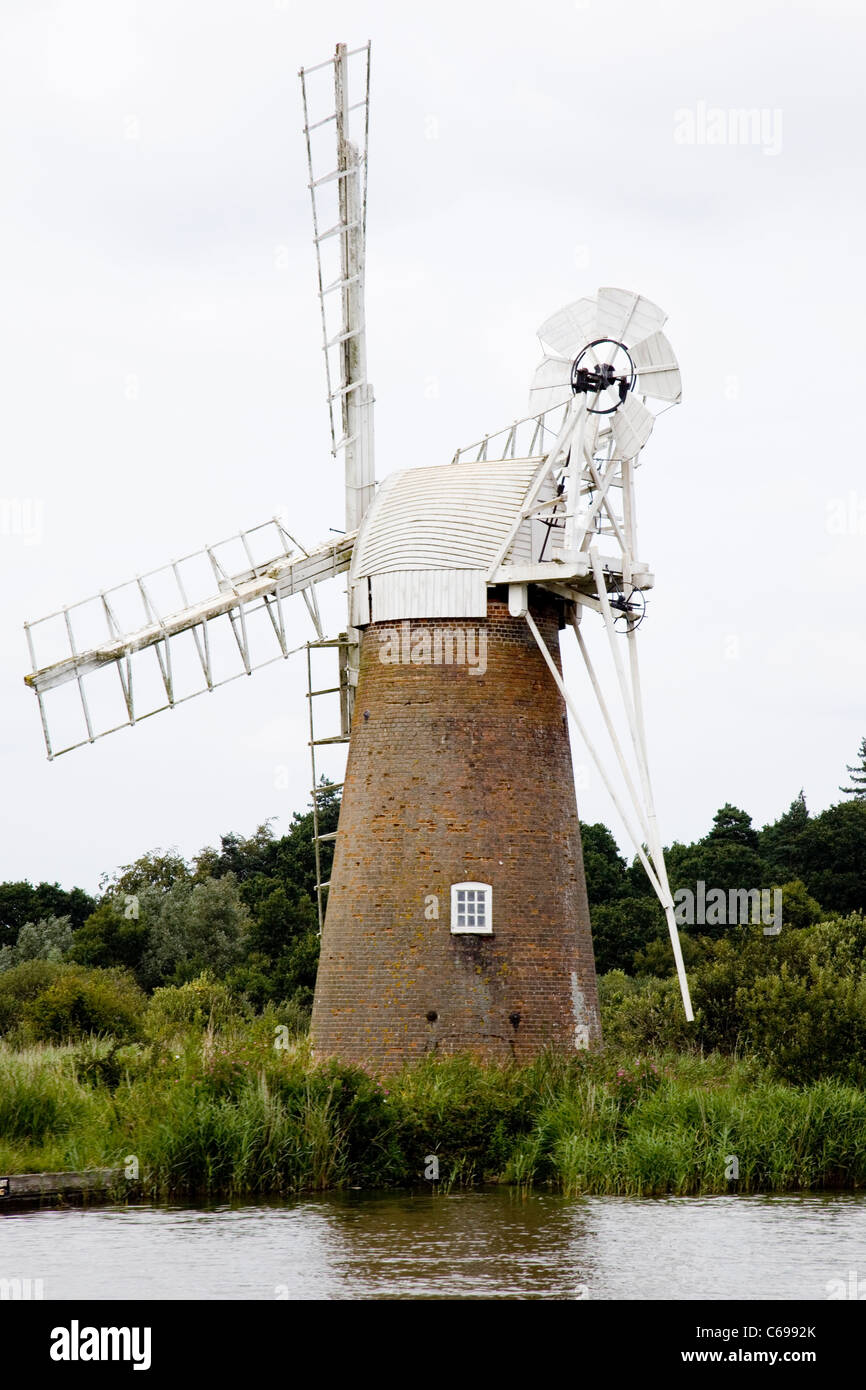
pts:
pixel 228 1114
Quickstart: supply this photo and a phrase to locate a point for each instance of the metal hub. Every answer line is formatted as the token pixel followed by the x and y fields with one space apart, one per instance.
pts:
pixel 606 381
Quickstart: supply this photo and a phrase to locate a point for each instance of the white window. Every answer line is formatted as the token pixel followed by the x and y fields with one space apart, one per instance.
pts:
pixel 472 908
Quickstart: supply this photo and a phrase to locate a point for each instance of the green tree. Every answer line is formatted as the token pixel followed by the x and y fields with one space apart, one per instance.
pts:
pixel 296 860
pixel 832 856
pixel 858 774
pixel 799 908
pixel 20 902
pixel 289 860
pixel 200 927
pixel 116 933
pixel 732 824
pixel 243 856
pixel 726 858
pixel 50 939
pixel 603 865
pixel 780 842
pixel 160 869
pixel 621 928
pixel 283 946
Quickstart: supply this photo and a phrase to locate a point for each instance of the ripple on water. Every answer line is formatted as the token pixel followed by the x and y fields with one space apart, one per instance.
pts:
pixel 489 1244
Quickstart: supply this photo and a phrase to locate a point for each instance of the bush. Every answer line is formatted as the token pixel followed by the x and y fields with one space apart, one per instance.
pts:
pixel 644 1013
pixel 808 1028
pixel 49 1001
pixel 799 909
pixel 468 1114
pixel 200 1003
pixel 796 1001
pixel 20 986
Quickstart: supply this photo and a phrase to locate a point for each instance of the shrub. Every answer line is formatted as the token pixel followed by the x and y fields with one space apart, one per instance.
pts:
pixel 643 1014
pixel 87 1001
pixel 48 1001
pixel 467 1114
pixel 799 909
pixel 631 1083
pixel 808 1028
pixel 796 1001
pixel 19 987
pixel 200 1003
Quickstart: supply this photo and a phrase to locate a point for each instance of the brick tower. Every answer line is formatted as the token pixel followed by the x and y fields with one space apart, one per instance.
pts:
pixel 457 915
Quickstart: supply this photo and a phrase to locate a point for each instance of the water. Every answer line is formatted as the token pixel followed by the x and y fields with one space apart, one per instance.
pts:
pixel 490 1244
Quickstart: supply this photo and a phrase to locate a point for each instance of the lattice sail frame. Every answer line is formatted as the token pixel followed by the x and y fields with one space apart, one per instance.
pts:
pixel 168 635
pixel 186 628
pixel 340 88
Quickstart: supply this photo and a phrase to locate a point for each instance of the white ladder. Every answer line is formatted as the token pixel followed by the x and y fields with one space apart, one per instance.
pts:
pixel 346 693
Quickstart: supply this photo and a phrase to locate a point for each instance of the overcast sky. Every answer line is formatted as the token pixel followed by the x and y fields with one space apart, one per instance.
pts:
pixel 156 229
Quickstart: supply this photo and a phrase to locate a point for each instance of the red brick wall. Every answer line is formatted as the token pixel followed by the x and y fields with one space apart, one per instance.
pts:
pixel 451 777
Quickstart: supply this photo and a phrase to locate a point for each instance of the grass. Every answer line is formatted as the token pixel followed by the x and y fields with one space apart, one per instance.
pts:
pixel 210 1114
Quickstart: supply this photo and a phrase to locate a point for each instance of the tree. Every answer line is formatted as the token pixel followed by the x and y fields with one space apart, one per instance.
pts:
pixel 116 932
pixel 603 865
pixel 620 928
pixel 159 869
pixel 799 908
pixel 49 939
pixel 200 926
pixel 718 864
pixel 858 774
pixel 832 856
pixel 238 855
pixel 780 842
pixel 283 949
pixel 20 902
pixel 730 823
pixel 289 860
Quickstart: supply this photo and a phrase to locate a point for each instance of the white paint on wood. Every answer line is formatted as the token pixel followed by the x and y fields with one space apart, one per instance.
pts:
pixel 428 594
pixel 446 518
pixel 518 599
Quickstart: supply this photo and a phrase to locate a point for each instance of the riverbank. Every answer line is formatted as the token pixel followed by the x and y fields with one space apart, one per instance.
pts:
pixel 244 1112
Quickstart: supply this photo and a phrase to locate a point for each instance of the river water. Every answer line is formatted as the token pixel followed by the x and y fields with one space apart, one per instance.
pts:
pixel 485 1244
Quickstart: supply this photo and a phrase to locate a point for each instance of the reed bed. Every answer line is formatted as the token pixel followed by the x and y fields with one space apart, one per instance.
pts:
pixel 211 1114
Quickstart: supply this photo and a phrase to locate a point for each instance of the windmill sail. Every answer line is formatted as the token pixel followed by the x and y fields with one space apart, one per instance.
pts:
pixel 128 652
pixel 191 626
pixel 338 190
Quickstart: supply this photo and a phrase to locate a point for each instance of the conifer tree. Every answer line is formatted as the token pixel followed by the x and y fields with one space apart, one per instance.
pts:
pixel 858 774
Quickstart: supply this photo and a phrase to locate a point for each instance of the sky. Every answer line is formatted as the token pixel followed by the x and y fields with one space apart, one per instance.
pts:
pixel 163 382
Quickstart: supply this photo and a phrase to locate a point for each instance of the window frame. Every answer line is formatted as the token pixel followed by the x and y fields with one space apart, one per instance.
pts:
pixel 487 890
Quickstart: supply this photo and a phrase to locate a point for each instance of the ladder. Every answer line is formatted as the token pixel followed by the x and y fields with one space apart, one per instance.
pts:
pixel 345 690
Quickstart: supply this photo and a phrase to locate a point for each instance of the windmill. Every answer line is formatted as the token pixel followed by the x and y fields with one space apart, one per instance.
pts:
pixel 455 916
